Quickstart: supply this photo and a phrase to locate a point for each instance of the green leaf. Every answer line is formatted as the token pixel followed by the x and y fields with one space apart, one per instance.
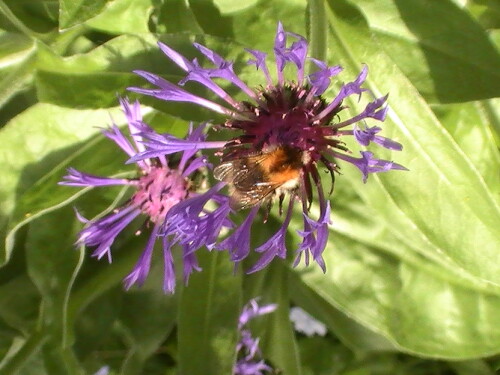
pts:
pixel 441 207
pixel 19 310
pixel 53 265
pixel 184 21
pixel 354 335
pixel 34 144
pixel 208 317
pixel 17 65
pixel 33 19
pixel 469 125
pixel 210 18
pixel 123 17
pixel 149 318
pixel 417 310
pixel 440 47
pixel 75 12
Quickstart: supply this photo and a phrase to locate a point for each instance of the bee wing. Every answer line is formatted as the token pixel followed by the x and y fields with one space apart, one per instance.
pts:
pixel 236 171
pixel 224 172
pixel 249 187
pixel 241 199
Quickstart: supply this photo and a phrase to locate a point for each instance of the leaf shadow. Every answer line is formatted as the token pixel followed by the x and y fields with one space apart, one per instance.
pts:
pixel 462 60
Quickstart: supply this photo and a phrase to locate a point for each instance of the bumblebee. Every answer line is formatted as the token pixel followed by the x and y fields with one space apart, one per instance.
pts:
pixel 258 177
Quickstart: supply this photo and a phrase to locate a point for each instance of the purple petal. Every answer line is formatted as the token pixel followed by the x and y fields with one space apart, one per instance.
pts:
pixel 169 271
pixel 238 242
pixel 315 237
pixel 141 269
pixel 371 110
pixel 195 165
pixel 194 135
pixel 275 245
pixel 191 226
pixel 211 55
pixel 77 178
pixel 115 134
pixel 190 264
pixel 102 232
pixel 260 62
pixel 170 92
pixel 203 76
pixel 368 164
pixel 320 79
pixel 345 91
pixel 295 54
pixel 245 367
pixel 166 144
pixel 252 310
pixel 224 70
pixel 365 136
pixel 175 56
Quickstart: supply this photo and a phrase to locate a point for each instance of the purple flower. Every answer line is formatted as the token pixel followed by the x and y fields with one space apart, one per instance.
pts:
pixel 163 187
pixel 287 131
pixel 247 350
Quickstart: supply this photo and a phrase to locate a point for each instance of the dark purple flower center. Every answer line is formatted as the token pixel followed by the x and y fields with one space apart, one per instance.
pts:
pixel 285 117
pixel 159 190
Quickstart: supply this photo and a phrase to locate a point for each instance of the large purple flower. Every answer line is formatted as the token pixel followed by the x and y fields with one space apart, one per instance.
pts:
pixel 163 185
pixel 286 129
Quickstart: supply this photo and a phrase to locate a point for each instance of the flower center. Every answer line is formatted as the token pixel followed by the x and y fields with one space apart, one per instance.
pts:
pixel 284 117
pixel 158 191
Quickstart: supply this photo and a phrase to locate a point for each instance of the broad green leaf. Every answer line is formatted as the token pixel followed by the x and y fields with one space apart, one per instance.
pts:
pixel 35 19
pixel 441 206
pixel 150 317
pixel 208 316
pixel 184 21
pixel 52 265
pixel 30 141
pixel 486 12
pixel 476 367
pixel 17 64
pixel 440 47
pixel 252 33
pixel 75 12
pixel 355 336
pixel 321 356
pixel 415 309
pixel 231 6
pixel 52 262
pixel 210 18
pixel 24 353
pixel 19 310
pixel 123 17
pixel 469 125
pixel 93 79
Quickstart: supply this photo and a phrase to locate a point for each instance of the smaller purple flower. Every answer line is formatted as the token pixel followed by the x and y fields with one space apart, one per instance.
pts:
pixel 247 349
pixel 162 188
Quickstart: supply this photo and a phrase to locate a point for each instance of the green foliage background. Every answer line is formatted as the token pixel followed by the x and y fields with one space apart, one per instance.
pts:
pixel 413 279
